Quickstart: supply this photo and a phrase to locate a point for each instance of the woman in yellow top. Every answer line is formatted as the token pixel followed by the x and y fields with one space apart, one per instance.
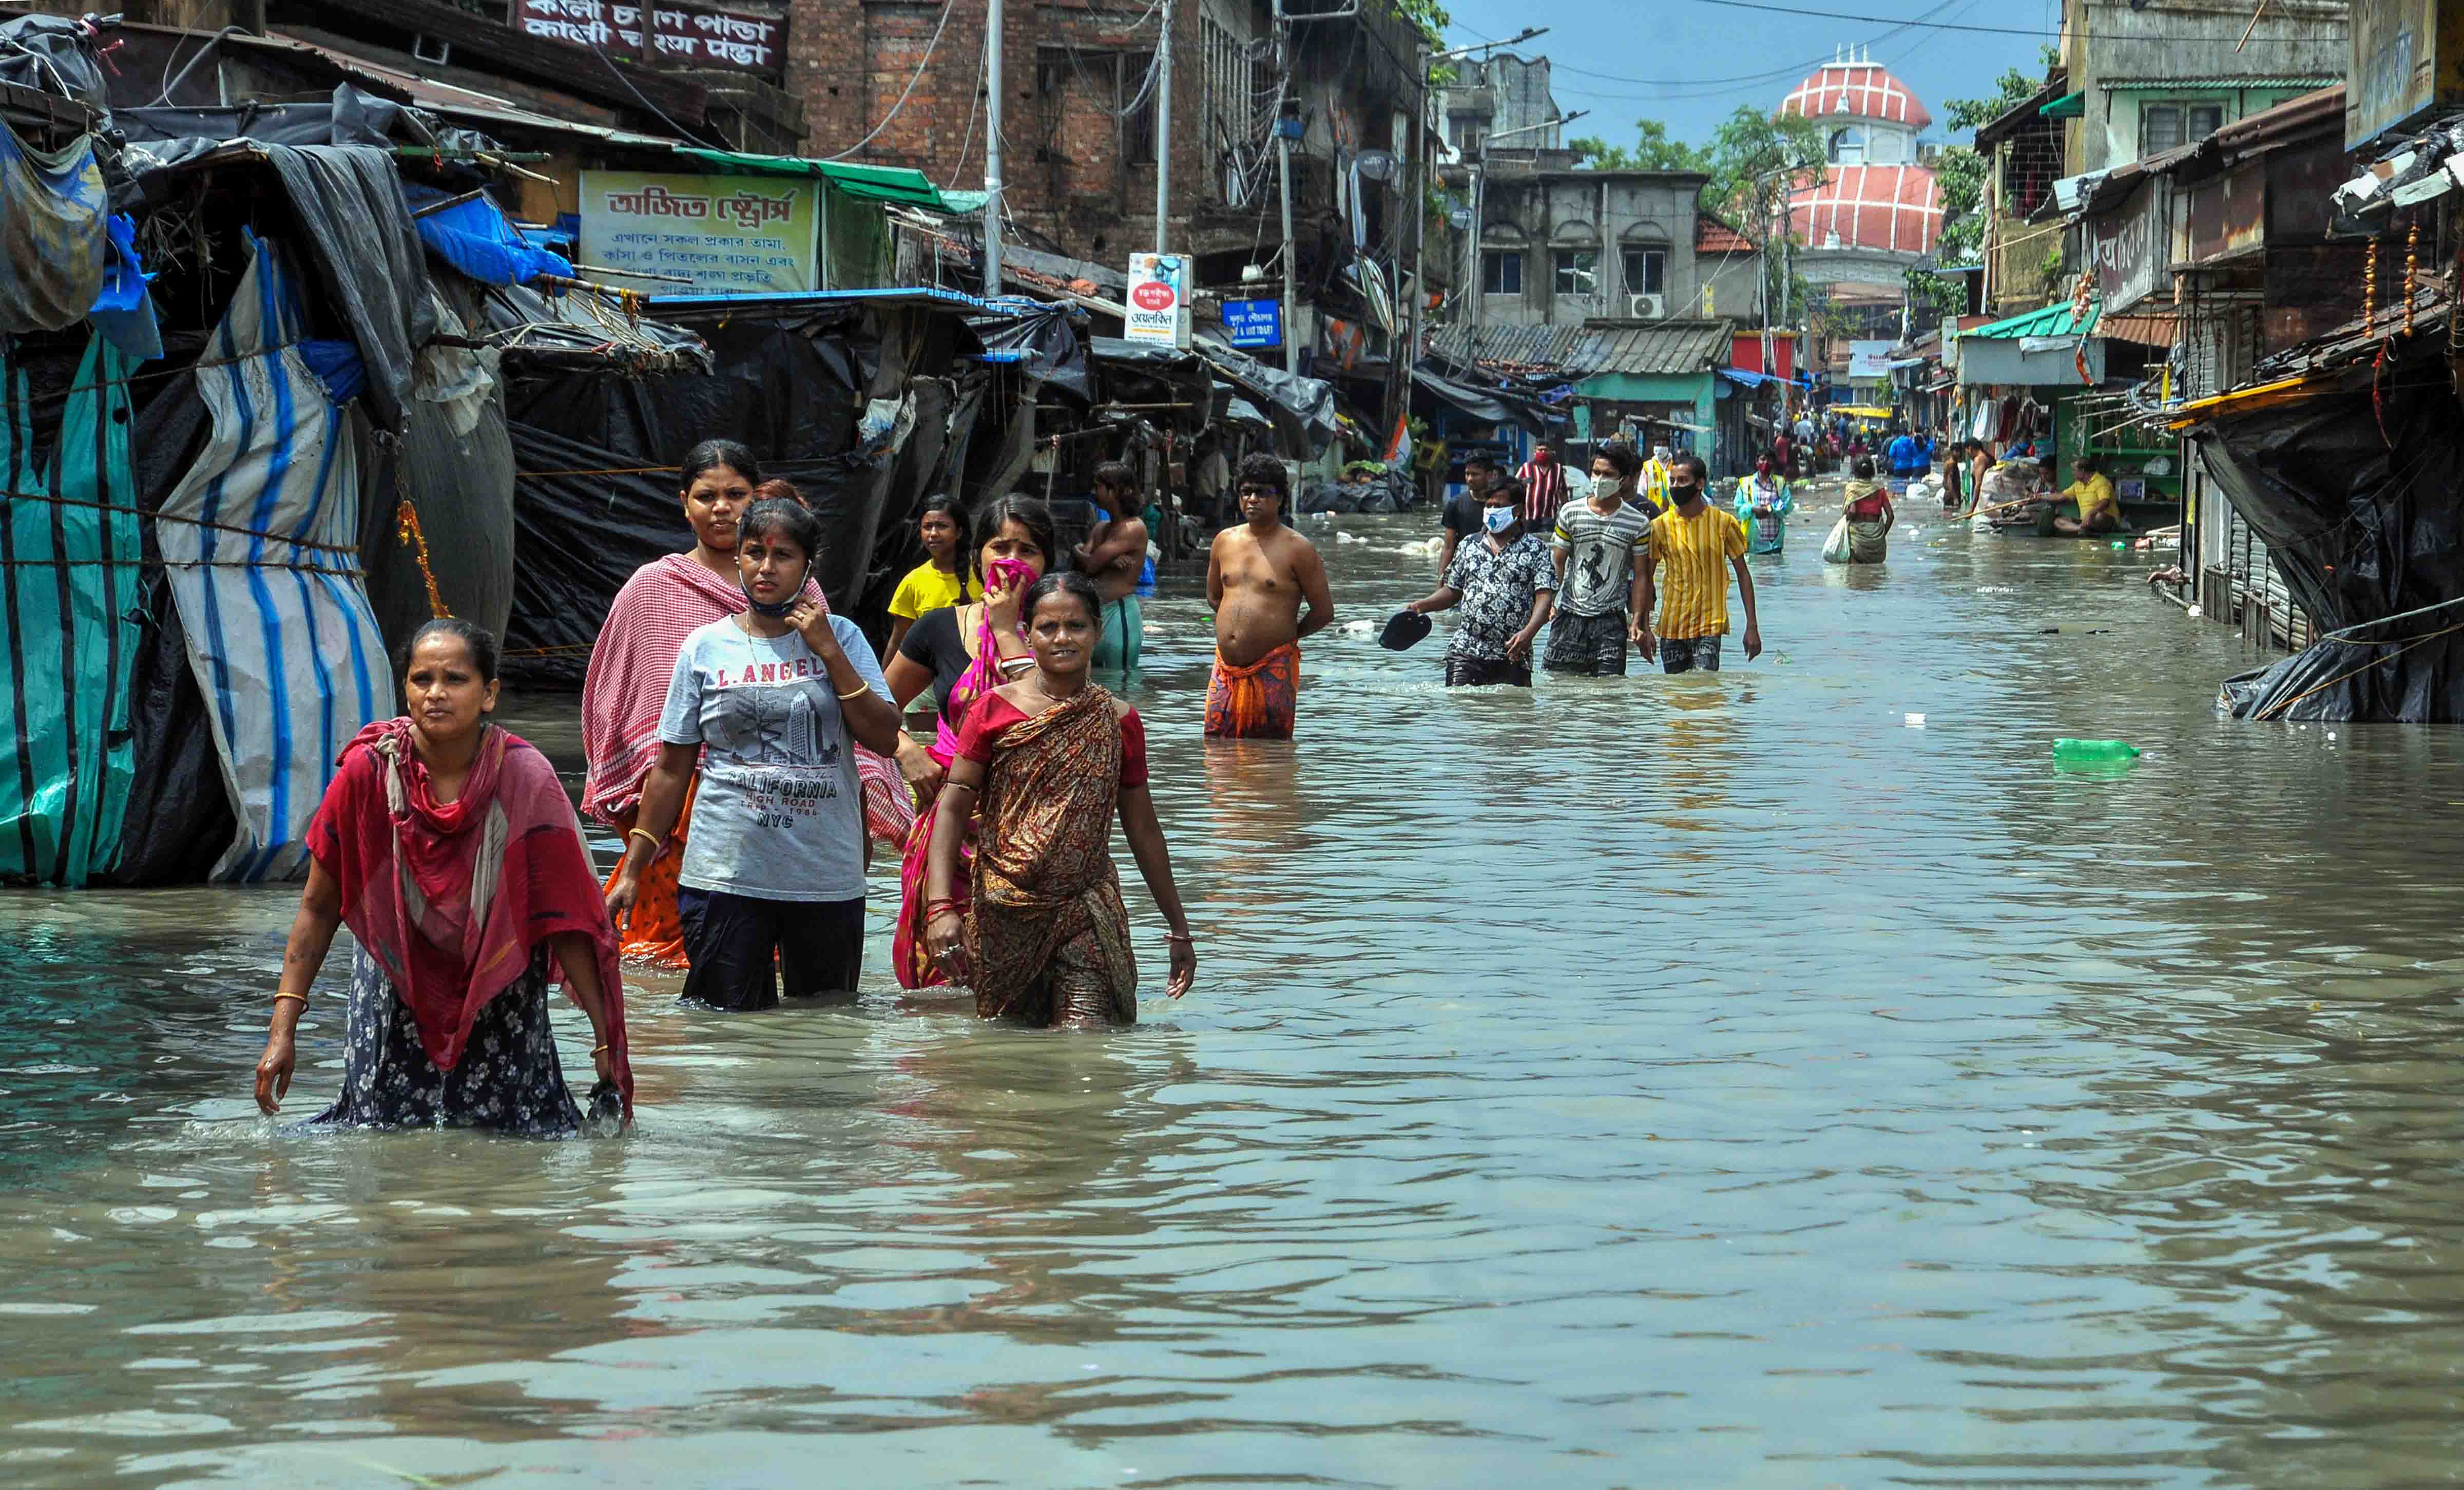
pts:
pixel 940 580
pixel 2099 509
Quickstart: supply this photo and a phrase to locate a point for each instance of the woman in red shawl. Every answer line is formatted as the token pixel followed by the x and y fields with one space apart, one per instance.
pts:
pixel 634 659
pixel 452 851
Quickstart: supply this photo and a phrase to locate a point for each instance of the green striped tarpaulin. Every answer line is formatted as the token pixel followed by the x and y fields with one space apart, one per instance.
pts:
pixel 69 551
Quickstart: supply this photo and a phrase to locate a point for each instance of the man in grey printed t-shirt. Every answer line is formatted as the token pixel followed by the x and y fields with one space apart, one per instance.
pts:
pixel 1600 546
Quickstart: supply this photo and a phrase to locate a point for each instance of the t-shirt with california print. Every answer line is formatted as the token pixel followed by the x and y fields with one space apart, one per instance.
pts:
pixel 779 814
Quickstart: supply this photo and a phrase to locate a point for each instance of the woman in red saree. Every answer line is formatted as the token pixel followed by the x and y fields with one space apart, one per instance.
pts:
pixel 450 848
pixel 1043 936
pixel 634 659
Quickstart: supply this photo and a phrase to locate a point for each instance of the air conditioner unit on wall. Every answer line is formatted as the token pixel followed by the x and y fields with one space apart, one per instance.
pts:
pixel 1647 307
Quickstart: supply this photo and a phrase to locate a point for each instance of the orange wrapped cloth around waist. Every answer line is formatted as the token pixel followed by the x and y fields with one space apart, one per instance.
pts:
pixel 1257 701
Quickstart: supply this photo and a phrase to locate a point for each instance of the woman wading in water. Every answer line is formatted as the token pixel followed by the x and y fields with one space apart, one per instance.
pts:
pixel 772 704
pixel 451 850
pixel 634 659
pixel 963 653
pixel 1043 936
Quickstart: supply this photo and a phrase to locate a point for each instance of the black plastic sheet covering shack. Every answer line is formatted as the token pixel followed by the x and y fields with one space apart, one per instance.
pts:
pixel 1042 340
pixel 829 391
pixel 1435 394
pixel 1302 409
pixel 2360 501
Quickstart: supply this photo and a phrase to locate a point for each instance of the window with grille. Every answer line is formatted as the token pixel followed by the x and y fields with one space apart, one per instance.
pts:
pixel 2170 125
pixel 1646 271
pixel 1234 109
pixel 1501 273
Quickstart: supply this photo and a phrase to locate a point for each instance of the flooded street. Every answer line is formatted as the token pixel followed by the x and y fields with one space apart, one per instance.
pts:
pixel 1777 1079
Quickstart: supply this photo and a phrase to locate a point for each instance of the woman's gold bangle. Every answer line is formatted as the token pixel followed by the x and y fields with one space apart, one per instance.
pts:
pixel 636 833
pixel 301 997
pixel 599 1050
pixel 856 692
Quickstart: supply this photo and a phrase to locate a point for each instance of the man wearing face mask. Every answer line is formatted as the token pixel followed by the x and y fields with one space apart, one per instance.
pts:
pixel 1507 587
pixel 1689 541
pixel 1596 542
pixel 1653 481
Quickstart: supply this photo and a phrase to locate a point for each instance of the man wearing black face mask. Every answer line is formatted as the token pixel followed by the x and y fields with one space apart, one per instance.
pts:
pixel 1506 586
pixel 1689 541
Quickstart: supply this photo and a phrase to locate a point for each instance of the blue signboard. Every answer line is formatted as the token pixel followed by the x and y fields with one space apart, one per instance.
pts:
pixel 1254 322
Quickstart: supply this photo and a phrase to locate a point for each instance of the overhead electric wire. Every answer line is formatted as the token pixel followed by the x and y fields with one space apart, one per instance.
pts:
pixel 947 11
pixel 655 110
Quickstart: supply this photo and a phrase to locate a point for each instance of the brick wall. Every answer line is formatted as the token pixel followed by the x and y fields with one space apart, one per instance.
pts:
pixel 1072 172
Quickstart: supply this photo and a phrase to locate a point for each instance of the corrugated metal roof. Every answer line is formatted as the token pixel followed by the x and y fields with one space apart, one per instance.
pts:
pixel 2212 84
pixel 2052 321
pixel 1642 347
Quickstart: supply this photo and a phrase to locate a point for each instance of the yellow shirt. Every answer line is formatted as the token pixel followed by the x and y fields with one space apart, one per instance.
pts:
pixel 2094 494
pixel 1692 556
pixel 927 587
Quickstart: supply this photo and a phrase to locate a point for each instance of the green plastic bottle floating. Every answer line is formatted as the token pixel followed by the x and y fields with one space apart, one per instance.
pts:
pixel 2094 752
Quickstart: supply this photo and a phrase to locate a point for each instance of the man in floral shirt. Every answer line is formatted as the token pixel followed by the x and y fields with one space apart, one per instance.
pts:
pixel 1507 585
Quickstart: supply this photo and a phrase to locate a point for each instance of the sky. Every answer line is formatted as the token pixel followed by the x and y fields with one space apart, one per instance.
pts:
pixel 1690 64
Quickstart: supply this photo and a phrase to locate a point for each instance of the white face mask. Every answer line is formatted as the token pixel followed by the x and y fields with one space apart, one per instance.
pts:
pixel 1499 518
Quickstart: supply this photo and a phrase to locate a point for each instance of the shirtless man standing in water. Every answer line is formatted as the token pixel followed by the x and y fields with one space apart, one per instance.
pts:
pixel 1256 575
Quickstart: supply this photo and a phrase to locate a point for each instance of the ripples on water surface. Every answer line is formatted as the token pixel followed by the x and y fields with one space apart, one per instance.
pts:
pixel 1694 1081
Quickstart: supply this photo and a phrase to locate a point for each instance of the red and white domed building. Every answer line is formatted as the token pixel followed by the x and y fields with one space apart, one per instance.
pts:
pixel 1879 207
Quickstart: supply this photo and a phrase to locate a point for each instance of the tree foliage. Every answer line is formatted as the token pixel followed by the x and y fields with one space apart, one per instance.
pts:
pixel 1963 176
pixel 1652 150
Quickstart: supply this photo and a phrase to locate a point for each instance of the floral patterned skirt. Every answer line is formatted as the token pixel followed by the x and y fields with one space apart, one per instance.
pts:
pixel 509 1078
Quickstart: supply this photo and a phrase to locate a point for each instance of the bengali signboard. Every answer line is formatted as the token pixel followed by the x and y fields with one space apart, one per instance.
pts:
pixel 1254 322
pixel 1869 361
pixel 669 34
pixel 2132 246
pixel 2406 61
pixel 728 234
pixel 1158 299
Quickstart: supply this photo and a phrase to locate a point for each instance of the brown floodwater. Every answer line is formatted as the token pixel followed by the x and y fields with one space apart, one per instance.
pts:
pixel 1783 1077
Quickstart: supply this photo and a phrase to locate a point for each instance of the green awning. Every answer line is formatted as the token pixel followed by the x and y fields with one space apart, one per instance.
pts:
pixel 2052 321
pixel 2069 106
pixel 874 183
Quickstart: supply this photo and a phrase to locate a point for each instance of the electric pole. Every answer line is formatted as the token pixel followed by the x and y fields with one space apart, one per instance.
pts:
pixel 1163 135
pixel 992 148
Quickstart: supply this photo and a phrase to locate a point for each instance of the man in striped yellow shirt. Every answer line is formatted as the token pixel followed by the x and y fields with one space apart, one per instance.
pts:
pixel 1690 541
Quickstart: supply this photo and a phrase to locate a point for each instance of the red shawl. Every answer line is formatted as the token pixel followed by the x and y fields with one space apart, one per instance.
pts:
pixel 451 897
pixel 631 665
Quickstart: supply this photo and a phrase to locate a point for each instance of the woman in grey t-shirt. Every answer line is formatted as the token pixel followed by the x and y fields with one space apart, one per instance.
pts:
pixel 771 702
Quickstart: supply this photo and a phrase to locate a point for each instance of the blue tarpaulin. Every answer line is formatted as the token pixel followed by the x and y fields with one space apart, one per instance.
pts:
pixel 476 237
